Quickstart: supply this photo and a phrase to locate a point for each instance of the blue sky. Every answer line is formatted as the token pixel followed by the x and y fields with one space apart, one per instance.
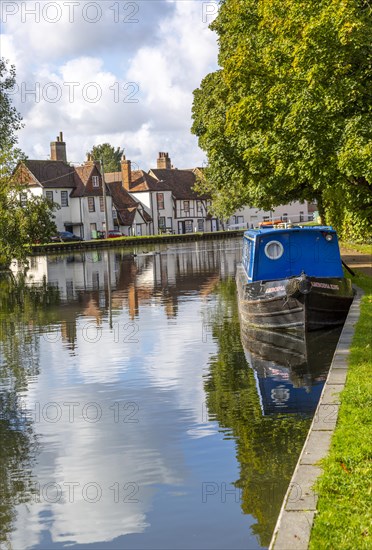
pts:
pixel 121 72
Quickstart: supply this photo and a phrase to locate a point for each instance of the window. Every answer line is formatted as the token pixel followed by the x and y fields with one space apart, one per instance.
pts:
pixel 49 195
pixel 114 214
pixel 91 205
pixel 186 206
pixel 239 219
pixel 95 181
pixel 160 200
pixel 64 198
pixel 23 199
pixel 101 204
pixel 162 222
pixel 274 250
pixel 301 216
pixel 93 230
pixel 200 225
pixel 285 217
pixel 188 226
pixel 199 207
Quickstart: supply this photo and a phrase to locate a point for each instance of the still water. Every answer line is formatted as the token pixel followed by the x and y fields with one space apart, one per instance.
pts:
pixel 132 416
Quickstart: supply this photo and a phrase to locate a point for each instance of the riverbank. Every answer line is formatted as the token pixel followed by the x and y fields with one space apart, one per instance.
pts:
pixel 343 519
pixel 51 248
pixel 327 502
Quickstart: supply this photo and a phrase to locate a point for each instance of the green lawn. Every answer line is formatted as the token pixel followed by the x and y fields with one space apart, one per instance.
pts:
pixel 344 516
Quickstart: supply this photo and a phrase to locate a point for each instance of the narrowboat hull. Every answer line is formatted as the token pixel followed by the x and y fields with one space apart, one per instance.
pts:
pixel 309 303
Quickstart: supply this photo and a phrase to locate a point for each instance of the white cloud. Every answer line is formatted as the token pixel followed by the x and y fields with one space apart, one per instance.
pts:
pixel 144 75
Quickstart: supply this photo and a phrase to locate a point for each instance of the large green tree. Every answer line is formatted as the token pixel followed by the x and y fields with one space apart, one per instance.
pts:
pixel 22 222
pixel 288 115
pixel 10 119
pixel 111 157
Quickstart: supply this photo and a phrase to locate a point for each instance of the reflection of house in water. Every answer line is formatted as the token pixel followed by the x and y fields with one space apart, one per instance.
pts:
pixel 96 283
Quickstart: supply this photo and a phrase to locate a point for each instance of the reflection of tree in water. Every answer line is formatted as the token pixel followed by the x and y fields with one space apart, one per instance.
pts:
pixel 267 447
pixel 20 309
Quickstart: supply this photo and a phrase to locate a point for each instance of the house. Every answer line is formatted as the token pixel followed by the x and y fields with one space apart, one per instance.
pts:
pixel 249 217
pixel 190 208
pixel 130 216
pixel 77 190
pixel 167 194
pixel 153 197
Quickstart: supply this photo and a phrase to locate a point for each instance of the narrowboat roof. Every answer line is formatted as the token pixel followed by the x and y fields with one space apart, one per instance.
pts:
pixel 253 233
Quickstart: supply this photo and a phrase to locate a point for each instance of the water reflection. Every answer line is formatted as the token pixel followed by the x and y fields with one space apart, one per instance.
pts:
pixel 267 448
pixel 133 393
pixel 290 367
pixel 19 366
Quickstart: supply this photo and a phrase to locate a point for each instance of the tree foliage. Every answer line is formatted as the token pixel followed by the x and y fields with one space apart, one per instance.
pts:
pixel 288 116
pixel 111 157
pixel 21 223
pixel 25 219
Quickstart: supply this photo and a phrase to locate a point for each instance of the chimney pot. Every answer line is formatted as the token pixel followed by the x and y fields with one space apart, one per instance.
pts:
pixel 164 162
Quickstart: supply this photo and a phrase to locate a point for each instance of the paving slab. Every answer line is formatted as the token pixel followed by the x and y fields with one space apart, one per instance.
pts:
pixel 337 376
pixel 325 417
pixel 316 446
pixel 301 495
pixel 295 531
pixel 331 394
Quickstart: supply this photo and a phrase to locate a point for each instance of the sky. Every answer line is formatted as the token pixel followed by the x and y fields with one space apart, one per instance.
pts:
pixel 111 71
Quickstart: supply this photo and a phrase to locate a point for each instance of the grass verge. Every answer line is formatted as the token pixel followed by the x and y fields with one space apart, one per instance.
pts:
pixel 363 248
pixel 344 511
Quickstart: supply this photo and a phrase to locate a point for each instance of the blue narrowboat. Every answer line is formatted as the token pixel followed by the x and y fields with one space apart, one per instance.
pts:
pixel 292 278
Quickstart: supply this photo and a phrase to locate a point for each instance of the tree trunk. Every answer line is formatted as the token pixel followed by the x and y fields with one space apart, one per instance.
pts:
pixel 321 210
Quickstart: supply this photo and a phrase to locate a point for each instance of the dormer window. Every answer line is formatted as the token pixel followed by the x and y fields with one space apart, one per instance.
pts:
pixel 95 181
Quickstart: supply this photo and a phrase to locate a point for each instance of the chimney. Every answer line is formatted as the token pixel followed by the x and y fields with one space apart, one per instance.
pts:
pixel 164 162
pixel 126 173
pixel 58 149
pixel 90 161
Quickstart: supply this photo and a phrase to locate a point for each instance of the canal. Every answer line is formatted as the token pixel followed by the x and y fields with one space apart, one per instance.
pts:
pixel 133 414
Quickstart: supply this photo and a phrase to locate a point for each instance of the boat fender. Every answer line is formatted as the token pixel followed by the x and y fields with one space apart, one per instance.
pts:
pixel 292 288
pixel 304 286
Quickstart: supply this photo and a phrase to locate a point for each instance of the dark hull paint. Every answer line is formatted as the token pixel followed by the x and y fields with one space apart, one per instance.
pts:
pixel 291 304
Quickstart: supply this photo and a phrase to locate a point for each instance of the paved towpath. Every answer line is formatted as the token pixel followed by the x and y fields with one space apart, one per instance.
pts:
pixel 357 260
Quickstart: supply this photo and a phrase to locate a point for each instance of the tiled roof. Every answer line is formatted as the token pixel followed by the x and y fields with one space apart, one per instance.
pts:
pixel 141 181
pixel 181 182
pixel 84 182
pixel 121 197
pixel 126 217
pixel 52 173
pixel 125 205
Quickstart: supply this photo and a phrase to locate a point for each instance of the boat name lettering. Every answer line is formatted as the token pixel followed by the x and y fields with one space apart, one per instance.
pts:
pixel 274 289
pixel 325 285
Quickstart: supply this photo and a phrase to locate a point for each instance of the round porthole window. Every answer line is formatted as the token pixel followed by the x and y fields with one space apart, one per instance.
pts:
pixel 274 250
